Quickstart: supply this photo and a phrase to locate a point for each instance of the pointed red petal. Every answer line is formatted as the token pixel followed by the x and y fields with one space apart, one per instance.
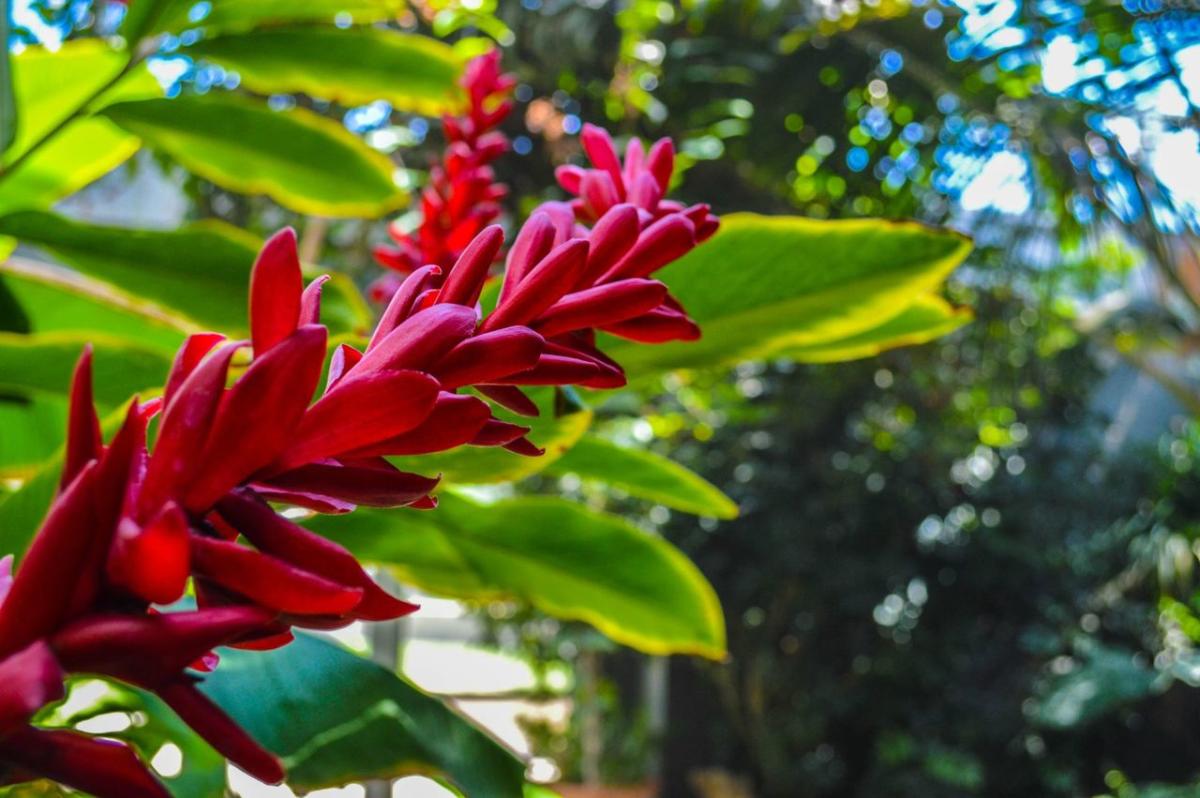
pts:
pixel 662 242
pixel 39 598
pixel 661 162
pixel 489 356
pixel 604 304
pixel 367 486
pixel 275 288
pixel 275 535
pixel 403 302
pixel 614 234
pixel 99 767
pixel 310 301
pixel 532 244
pixel 421 340
pixel 656 327
pixel 83 427
pixel 548 281
pixel 498 433
pixel 187 358
pixel 151 650
pixel 454 421
pixel 359 411
pixel 599 193
pixel 602 153
pixel 465 280
pixel 258 416
pixel 270 581
pixel 230 740
pixel 184 430
pixel 510 397
pixel 29 680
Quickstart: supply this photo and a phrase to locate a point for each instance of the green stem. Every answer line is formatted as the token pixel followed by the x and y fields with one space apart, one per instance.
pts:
pixel 80 111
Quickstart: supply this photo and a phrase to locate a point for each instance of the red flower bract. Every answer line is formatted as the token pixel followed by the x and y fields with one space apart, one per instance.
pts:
pixel 245 423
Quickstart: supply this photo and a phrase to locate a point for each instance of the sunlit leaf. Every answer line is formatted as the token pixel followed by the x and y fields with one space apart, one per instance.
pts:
pixel 643 474
pixel 334 718
pixel 172 16
pixel 764 285
pixel 300 159
pixel 353 66
pixel 42 364
pixel 200 271
pixel 52 90
pixel 56 300
pixel 567 561
pixel 926 319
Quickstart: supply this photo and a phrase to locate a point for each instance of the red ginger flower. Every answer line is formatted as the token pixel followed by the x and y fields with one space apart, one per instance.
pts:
pixel 462 196
pixel 131 526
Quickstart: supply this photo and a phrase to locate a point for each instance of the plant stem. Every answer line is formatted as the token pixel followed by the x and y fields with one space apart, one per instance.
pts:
pixel 79 111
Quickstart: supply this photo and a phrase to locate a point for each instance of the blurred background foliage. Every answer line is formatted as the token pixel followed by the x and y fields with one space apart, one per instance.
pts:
pixel 967 568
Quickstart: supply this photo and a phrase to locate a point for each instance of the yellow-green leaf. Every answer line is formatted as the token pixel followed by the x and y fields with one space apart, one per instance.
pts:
pixel 201 272
pixel 644 474
pixel 352 66
pixel 51 90
pixel 172 16
pixel 564 559
pixel 927 318
pixel 764 285
pixel 300 159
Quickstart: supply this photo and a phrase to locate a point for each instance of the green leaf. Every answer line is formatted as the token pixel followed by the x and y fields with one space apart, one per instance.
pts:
pixel 33 431
pixel 353 66
pixel 926 319
pixel 565 560
pixel 52 88
pixel 55 300
pixel 42 364
pixel 334 718
pixel 479 465
pixel 172 16
pixel 200 272
pixel 764 285
pixel 8 102
pixel 644 474
pixel 302 160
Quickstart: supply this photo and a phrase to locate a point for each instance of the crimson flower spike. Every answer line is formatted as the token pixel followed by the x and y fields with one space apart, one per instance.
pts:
pixel 462 196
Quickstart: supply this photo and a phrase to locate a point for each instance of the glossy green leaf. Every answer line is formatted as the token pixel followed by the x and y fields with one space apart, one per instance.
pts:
pixel 764 285
pixel 300 159
pixel 564 559
pixel 200 272
pixel 56 300
pixel 644 474
pixel 172 16
pixel 476 465
pixel 353 66
pixel 52 91
pixel 33 431
pixel 926 319
pixel 334 718
pixel 42 364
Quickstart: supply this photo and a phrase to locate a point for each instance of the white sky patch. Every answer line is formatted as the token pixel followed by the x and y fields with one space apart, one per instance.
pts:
pixel 1002 184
